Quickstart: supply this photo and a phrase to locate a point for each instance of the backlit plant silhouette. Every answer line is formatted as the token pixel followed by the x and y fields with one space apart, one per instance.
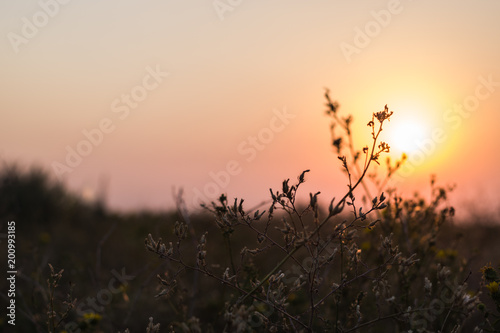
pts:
pixel 369 266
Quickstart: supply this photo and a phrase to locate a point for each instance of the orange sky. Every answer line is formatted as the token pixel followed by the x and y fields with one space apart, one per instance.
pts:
pixel 152 95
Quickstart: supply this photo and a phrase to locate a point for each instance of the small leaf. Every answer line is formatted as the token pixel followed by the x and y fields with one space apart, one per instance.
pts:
pixel 301 177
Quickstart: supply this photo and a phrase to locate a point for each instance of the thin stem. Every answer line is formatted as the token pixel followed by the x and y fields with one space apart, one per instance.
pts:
pixel 227 238
pixel 341 283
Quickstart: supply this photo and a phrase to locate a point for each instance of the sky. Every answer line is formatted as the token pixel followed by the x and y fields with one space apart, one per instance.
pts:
pixel 136 98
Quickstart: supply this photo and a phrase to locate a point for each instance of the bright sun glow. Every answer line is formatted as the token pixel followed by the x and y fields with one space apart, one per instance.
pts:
pixel 406 135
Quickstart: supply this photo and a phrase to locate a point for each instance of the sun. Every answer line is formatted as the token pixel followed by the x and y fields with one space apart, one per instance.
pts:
pixel 406 135
pixel 411 130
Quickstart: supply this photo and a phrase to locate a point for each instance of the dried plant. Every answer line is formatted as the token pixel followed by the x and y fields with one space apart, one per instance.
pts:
pixel 355 267
pixel 56 317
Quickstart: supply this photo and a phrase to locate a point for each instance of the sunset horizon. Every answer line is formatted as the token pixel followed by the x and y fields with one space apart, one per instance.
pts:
pixel 164 107
pixel 238 166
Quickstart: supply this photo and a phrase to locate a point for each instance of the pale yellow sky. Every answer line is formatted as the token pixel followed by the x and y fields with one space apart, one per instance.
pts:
pixel 182 87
